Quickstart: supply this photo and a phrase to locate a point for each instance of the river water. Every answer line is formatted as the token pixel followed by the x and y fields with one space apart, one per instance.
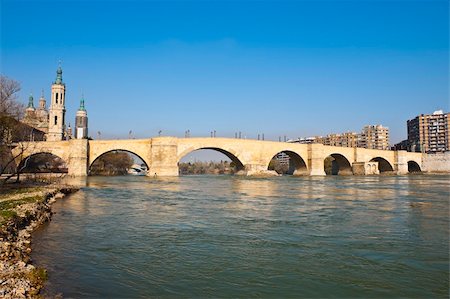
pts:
pixel 225 236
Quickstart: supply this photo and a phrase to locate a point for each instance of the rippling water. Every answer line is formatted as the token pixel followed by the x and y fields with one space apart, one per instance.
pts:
pixel 225 236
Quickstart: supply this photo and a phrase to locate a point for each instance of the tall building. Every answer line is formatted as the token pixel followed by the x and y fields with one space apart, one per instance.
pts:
pixel 81 121
pixel 429 133
pixel 56 126
pixel 374 137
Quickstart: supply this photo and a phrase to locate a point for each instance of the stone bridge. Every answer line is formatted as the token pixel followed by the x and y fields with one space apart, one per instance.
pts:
pixel 162 155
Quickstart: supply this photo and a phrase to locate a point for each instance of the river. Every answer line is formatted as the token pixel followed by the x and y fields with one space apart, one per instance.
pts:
pixel 230 236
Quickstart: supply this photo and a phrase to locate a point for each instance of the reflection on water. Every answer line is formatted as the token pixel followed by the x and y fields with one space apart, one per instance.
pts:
pixel 224 236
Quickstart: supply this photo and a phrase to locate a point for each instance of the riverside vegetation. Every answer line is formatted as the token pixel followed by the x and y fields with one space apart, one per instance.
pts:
pixel 198 167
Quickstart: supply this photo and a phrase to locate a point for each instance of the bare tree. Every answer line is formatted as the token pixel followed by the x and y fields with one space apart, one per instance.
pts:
pixel 12 132
pixel 9 106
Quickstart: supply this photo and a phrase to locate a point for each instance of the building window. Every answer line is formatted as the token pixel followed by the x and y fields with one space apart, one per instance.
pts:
pixel 56 120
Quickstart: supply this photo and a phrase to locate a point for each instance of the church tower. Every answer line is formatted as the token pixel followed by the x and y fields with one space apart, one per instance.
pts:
pixel 30 111
pixel 81 121
pixel 56 126
pixel 41 112
pixel 42 102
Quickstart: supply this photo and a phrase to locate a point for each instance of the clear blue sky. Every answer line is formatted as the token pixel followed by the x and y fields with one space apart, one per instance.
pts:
pixel 294 68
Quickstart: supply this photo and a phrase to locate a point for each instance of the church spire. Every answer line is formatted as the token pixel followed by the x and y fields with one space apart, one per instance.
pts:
pixel 82 108
pixel 30 101
pixel 59 74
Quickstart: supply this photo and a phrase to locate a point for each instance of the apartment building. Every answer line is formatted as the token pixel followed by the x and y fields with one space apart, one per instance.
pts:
pixel 374 137
pixel 429 133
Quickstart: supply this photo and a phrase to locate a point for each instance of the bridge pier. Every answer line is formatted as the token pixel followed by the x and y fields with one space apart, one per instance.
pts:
pixel 163 157
pixel 316 159
pixel 401 162
pixel 78 157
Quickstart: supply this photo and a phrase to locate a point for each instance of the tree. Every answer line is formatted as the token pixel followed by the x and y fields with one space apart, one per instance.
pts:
pixel 112 163
pixel 10 109
pixel 9 106
pixel 12 132
pixel 212 167
pixel 44 163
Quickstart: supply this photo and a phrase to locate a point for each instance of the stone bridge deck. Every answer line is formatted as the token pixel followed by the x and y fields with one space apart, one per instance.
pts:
pixel 162 154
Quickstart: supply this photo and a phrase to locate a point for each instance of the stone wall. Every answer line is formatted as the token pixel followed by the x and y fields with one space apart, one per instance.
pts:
pixel 436 162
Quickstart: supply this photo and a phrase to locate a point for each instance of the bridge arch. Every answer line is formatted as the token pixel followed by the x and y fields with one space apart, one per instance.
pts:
pixel 295 164
pixel 229 153
pixel 383 164
pixel 413 166
pixel 337 164
pixel 43 162
pixel 117 150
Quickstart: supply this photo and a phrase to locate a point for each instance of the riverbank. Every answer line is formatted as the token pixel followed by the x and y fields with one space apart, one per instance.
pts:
pixel 23 208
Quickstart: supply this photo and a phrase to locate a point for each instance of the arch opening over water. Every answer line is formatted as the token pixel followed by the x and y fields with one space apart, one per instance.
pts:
pixel 288 162
pixel 118 162
pixel 413 167
pixel 43 163
pixel 209 160
pixel 383 164
pixel 337 164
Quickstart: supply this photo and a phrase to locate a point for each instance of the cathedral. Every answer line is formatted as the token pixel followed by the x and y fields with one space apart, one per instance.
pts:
pixel 52 121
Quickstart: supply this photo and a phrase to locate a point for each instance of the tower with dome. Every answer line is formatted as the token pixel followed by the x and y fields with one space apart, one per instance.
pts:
pixel 53 121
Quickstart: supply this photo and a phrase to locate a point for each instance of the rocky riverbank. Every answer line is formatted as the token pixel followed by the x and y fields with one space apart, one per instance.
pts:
pixel 21 212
